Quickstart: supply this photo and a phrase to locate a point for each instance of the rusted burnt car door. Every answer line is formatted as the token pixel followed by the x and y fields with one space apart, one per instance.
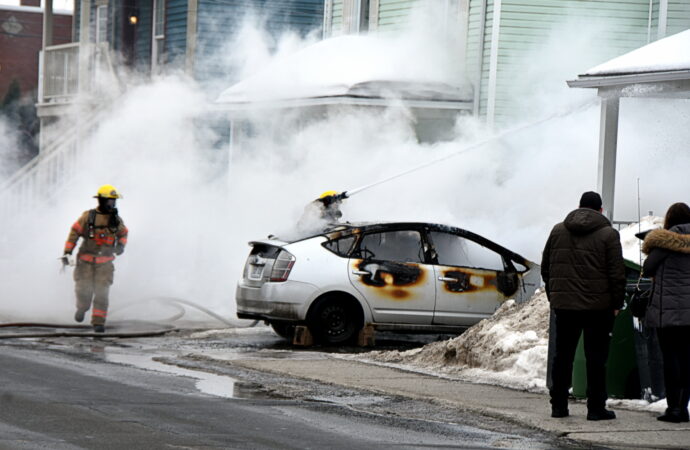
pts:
pixel 389 269
pixel 469 277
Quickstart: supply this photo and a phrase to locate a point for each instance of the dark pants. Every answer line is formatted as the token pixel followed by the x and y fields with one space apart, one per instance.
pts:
pixel 675 349
pixel 570 325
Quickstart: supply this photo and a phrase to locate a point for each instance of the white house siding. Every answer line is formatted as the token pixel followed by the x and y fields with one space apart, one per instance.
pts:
pixel 526 24
pixel 333 18
pixel 393 14
pixel 475 29
pixel 678 16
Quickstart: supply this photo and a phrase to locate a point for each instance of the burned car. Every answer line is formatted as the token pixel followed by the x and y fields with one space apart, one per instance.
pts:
pixel 418 277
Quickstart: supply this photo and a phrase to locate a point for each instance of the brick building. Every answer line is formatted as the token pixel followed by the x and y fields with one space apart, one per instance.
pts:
pixel 21 35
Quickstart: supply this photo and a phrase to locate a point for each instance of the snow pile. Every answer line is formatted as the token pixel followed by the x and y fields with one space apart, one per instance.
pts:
pixel 631 243
pixel 507 349
pixel 665 54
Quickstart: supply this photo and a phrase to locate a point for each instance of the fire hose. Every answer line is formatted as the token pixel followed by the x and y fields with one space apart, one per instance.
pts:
pixel 166 327
pixel 472 147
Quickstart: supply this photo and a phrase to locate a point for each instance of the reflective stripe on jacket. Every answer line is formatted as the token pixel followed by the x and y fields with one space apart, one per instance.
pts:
pixel 101 247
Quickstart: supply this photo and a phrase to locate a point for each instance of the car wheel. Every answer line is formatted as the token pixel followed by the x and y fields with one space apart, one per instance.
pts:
pixel 284 329
pixel 334 322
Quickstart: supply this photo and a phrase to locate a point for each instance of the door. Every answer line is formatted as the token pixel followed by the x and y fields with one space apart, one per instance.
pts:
pixel 389 269
pixel 467 277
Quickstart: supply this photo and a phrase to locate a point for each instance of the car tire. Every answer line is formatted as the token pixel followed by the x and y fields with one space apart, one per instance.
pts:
pixel 284 329
pixel 334 321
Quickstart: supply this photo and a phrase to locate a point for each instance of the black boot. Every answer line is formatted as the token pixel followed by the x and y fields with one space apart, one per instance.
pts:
pixel 677 410
pixel 559 411
pixel 601 414
pixel 99 328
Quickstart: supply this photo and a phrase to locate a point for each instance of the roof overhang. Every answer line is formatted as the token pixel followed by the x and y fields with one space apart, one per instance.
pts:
pixel 343 100
pixel 586 81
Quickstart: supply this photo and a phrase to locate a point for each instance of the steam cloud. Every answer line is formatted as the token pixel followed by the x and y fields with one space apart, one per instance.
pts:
pixel 191 209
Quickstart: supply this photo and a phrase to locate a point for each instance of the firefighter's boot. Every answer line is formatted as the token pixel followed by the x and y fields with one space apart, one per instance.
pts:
pixel 79 315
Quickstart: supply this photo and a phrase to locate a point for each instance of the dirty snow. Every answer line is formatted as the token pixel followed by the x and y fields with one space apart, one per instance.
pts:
pixel 508 349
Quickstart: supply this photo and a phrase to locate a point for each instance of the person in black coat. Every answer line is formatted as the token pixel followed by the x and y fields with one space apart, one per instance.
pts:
pixel 584 273
pixel 669 308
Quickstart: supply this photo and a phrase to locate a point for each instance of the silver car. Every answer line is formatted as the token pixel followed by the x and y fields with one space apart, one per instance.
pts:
pixel 394 276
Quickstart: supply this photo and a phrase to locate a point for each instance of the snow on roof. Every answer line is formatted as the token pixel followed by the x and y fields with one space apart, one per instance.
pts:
pixel 631 244
pixel 669 54
pixel 358 66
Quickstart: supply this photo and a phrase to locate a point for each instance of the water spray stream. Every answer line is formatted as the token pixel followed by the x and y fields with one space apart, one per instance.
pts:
pixel 475 146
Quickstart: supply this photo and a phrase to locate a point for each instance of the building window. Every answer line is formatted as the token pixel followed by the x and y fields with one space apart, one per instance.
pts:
pixel 102 23
pixel 159 24
pixel 158 33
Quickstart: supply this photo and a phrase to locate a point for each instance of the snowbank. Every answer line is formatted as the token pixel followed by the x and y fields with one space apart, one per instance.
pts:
pixel 507 349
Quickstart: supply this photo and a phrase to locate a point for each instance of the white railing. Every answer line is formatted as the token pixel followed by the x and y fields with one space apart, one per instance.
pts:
pixel 59 72
pixel 46 174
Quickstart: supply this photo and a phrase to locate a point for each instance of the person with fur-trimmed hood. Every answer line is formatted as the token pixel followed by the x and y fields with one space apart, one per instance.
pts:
pixel 669 308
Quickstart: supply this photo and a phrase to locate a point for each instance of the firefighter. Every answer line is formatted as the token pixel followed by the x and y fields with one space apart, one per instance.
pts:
pixel 104 235
pixel 322 211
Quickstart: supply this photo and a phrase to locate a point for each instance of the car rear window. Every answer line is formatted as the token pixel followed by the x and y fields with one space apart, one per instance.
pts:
pixel 266 251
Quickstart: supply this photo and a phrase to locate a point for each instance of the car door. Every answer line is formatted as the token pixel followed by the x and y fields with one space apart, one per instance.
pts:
pixel 467 277
pixel 389 269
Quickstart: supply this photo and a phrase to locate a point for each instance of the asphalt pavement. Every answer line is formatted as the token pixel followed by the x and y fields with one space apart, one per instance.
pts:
pixel 631 429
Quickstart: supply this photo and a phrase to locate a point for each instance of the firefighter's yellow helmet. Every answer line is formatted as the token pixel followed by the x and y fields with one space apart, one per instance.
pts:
pixel 328 194
pixel 107 191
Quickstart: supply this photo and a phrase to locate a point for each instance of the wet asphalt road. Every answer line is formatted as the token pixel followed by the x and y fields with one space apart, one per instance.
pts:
pixel 67 393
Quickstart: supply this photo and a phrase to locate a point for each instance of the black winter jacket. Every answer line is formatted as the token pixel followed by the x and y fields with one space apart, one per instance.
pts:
pixel 582 263
pixel 669 263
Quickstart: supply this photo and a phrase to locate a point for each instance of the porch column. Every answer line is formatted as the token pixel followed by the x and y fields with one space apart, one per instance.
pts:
pixel 47 24
pixel 84 49
pixel 192 19
pixel 608 142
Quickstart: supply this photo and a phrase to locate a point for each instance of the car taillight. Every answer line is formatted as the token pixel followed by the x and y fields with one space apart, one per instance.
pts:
pixel 282 266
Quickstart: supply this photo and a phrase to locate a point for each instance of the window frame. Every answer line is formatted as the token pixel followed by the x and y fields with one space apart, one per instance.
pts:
pixel 356 249
pixel 506 262
pixel 101 23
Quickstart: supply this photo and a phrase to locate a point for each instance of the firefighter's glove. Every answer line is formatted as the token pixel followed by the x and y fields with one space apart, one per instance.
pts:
pixel 67 260
pixel 342 196
pixel 119 249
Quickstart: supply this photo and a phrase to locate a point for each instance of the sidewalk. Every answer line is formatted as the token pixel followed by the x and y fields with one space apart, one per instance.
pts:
pixel 631 429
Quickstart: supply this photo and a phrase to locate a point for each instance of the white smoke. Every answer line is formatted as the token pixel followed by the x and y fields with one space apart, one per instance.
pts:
pixel 191 212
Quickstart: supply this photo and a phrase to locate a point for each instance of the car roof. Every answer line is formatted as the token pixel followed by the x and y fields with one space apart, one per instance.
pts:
pixel 337 230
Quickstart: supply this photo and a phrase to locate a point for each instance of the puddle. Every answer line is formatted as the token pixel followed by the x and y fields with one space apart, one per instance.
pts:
pixel 208 383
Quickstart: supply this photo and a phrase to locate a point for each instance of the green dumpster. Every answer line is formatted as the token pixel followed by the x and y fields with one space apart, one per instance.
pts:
pixel 622 376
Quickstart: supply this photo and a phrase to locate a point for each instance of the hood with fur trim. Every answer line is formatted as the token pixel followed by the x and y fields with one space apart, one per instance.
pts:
pixel 677 239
